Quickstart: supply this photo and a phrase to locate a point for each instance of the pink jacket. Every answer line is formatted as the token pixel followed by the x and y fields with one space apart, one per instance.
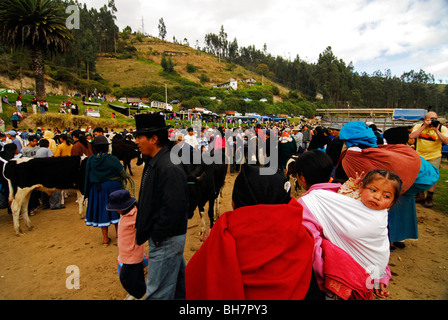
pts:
pixel 128 250
pixel 316 229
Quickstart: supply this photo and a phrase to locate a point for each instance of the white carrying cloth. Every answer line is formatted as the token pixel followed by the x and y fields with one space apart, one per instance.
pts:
pixel 353 227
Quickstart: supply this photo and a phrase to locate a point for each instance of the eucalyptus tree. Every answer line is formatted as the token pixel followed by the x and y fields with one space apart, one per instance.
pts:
pixel 162 29
pixel 38 25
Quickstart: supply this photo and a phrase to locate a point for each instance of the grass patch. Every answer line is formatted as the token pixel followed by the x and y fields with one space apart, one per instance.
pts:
pixel 441 194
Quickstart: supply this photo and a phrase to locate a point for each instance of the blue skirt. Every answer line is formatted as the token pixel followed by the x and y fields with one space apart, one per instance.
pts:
pixel 96 214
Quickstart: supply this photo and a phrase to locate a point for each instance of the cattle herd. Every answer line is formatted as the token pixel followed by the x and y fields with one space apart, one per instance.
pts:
pixel 24 175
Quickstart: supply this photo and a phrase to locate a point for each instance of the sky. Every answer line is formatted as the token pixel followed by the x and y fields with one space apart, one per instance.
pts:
pixel 399 35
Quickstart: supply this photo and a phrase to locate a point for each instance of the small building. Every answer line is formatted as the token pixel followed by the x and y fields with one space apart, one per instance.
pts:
pixel 232 84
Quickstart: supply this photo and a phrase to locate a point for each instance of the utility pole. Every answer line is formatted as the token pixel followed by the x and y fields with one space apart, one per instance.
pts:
pixel 166 96
pixel 143 27
pixel 21 80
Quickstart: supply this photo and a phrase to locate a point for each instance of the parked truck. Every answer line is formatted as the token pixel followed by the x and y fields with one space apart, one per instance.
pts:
pixel 161 105
pixel 129 100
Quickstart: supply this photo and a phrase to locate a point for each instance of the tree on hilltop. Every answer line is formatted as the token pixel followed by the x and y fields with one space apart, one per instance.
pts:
pixel 162 29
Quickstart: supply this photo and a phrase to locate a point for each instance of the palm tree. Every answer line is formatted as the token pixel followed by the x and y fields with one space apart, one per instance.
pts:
pixel 38 25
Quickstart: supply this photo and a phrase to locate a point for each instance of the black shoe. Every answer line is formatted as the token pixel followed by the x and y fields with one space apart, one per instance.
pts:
pixel 399 244
pixel 56 208
pixel 428 203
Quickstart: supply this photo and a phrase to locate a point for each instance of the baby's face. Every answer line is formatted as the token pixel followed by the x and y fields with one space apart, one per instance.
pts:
pixel 378 194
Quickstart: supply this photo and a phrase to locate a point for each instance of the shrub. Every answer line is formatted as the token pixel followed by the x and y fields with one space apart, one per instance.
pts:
pixel 191 68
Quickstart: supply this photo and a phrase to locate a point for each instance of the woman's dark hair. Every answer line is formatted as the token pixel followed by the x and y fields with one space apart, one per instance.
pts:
pixel 389 175
pixel 315 166
pixel 252 188
pixel 100 148
pixel 64 137
pixel 9 151
pixel 81 137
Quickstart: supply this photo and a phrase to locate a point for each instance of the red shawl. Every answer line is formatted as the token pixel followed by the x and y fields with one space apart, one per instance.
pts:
pixel 260 252
pixel 343 275
pixel 400 159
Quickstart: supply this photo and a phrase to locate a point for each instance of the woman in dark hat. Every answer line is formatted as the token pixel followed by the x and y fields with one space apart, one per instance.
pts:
pixel 104 174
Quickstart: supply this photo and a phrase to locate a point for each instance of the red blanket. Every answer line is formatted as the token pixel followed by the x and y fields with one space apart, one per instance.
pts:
pixel 258 252
pixel 343 275
pixel 400 159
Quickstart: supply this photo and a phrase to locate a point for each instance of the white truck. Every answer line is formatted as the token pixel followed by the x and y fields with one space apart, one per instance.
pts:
pixel 161 105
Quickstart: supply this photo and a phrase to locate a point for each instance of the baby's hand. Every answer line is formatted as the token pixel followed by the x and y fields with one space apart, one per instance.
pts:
pixel 382 292
pixel 359 177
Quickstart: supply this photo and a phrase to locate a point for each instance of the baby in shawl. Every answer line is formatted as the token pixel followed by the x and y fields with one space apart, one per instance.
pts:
pixel 358 231
pixel 378 190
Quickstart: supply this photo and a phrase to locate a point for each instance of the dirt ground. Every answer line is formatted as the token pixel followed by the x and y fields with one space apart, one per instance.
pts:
pixel 40 264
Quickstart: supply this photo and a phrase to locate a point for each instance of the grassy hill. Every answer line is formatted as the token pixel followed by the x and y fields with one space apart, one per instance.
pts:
pixel 143 66
pixel 138 65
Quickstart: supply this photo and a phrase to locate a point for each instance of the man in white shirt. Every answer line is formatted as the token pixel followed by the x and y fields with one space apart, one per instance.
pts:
pixel 191 138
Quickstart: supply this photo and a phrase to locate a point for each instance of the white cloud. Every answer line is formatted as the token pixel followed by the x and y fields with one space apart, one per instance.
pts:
pixel 362 31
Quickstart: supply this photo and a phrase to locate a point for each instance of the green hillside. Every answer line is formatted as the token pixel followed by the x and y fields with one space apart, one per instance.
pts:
pixel 141 65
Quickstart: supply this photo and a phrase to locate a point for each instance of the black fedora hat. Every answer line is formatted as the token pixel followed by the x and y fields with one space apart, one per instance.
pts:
pixel 149 122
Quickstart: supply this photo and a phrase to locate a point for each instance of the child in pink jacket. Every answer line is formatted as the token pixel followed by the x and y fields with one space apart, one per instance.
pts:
pixel 130 255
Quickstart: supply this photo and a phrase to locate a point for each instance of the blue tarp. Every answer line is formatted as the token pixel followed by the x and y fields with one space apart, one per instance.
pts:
pixel 409 114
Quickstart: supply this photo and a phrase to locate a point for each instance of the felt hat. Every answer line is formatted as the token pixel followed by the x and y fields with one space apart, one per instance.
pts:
pixel 120 200
pixel 396 135
pixel 99 140
pixel 336 126
pixel 149 123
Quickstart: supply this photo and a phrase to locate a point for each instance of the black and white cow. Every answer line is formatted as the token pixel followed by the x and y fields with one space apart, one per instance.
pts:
pixel 45 174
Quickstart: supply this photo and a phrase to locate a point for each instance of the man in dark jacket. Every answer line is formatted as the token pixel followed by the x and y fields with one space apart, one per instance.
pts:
pixel 334 148
pixel 162 210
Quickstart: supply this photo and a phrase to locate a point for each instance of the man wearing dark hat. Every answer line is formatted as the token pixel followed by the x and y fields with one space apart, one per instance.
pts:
pixel 162 210
pixel 377 133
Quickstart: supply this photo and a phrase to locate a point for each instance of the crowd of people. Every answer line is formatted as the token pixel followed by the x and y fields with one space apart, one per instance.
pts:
pixel 335 222
pixel 358 204
pixel 36 107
